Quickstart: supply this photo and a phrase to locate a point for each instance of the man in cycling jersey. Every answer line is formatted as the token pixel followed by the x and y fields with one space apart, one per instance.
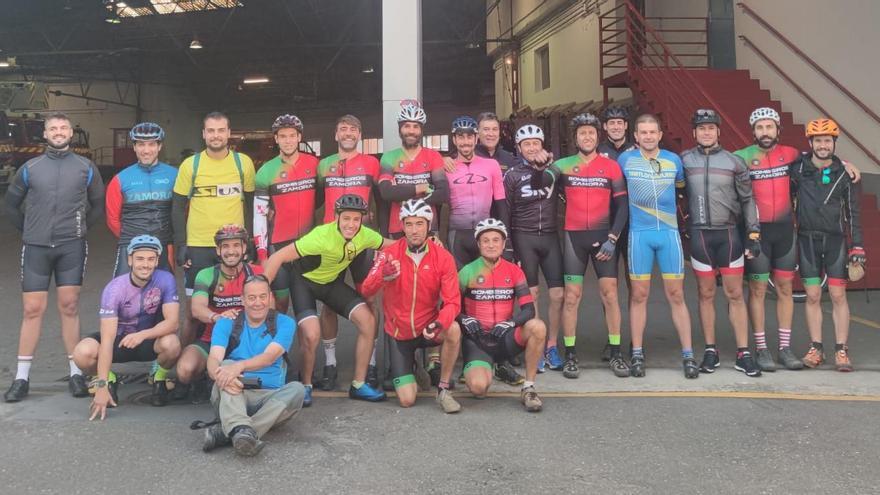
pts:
pixel 139 319
pixel 216 295
pixel 347 171
pixel 491 287
pixel 321 258
pixel 414 275
pixel 615 122
pixel 533 222
pixel 719 196
pixel 652 175
pixel 595 214
pixel 285 198
pixel 828 210
pixel 475 188
pixel 53 200
pixel 138 199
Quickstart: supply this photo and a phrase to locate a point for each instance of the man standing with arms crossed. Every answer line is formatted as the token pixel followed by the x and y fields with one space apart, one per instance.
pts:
pixel 53 200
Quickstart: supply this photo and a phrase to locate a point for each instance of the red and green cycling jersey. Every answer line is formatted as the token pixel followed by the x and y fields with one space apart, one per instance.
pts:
pixel 223 293
pixel 285 200
pixel 399 176
pixel 595 193
pixel 770 171
pixel 337 176
pixel 491 293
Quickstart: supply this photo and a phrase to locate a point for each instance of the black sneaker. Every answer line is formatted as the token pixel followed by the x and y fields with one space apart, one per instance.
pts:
pixel 388 381
pixel 746 363
pixel 515 361
pixel 372 376
pixel 245 441
pixel 691 370
pixel 606 352
pixel 570 367
pixel 328 381
pixel 214 437
pixel 433 370
pixel 619 367
pixel 710 361
pixel 199 391
pixel 508 375
pixel 17 391
pixel 637 366
pixel 183 391
pixel 159 397
pixel 78 386
pixel 113 387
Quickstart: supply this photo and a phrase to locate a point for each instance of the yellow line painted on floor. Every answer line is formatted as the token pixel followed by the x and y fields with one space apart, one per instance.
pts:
pixel 858 319
pixel 681 394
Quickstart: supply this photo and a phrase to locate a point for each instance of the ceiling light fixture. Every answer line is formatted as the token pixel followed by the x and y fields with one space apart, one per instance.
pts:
pixel 368 69
pixel 256 80
pixel 4 63
pixel 195 44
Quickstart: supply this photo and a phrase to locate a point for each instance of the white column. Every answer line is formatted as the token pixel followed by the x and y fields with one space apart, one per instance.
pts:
pixel 401 62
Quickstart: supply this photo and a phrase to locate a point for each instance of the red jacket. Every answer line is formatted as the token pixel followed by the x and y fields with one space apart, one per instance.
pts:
pixel 411 300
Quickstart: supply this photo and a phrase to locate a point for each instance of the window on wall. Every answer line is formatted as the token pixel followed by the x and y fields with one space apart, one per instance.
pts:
pixel 542 68
pixel 370 146
pixel 439 142
pixel 313 147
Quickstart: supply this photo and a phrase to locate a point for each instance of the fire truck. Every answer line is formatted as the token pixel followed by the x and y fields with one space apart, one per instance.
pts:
pixel 25 135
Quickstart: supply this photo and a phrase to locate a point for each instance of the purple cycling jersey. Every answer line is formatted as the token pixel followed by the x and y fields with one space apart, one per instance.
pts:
pixel 472 188
pixel 137 308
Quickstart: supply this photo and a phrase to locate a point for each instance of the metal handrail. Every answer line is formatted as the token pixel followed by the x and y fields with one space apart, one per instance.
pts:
pixel 809 98
pixel 791 46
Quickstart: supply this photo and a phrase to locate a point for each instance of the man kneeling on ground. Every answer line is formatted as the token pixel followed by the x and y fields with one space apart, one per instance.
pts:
pixel 247 364
pixel 132 326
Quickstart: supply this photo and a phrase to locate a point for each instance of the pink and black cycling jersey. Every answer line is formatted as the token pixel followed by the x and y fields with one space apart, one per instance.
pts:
pixel 137 308
pixel 473 186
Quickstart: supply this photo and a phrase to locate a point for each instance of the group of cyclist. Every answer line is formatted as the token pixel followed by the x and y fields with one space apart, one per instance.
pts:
pixel 764 211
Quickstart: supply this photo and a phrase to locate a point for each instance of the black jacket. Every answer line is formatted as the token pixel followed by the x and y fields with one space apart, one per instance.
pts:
pixel 831 208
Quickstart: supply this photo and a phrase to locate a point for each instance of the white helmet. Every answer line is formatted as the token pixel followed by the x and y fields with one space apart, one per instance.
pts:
pixel 416 207
pixel 529 131
pixel 764 113
pixel 411 111
pixel 490 224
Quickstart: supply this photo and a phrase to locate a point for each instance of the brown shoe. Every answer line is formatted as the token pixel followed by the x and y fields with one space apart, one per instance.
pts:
pixel 530 400
pixel 841 360
pixel 814 358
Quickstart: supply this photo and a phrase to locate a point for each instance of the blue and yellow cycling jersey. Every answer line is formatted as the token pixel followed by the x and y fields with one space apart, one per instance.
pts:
pixel 651 184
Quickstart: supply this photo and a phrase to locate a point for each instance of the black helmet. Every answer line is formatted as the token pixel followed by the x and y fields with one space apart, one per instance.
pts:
pixel 351 202
pixel 705 116
pixel 615 113
pixel 584 119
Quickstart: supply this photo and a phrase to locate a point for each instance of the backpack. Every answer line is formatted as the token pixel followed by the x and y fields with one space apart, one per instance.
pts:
pixel 195 172
pixel 238 328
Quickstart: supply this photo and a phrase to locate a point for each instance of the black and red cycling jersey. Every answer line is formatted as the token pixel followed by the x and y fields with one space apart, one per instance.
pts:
pixel 770 172
pixel 490 294
pixel 356 175
pixel 595 193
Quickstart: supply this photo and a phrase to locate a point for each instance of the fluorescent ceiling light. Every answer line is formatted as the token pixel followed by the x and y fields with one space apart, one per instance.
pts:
pixel 195 45
pixel 4 63
pixel 256 80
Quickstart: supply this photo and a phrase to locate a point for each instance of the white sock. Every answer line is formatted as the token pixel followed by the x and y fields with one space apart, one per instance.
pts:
pixel 329 351
pixel 373 357
pixel 527 384
pixel 24 367
pixel 74 369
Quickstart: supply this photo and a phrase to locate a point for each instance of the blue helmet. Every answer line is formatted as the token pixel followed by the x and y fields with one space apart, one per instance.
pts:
pixel 464 124
pixel 146 131
pixel 144 242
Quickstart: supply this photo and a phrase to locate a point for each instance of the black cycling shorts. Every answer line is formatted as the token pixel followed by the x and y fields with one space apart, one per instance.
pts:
pixel 337 295
pixel 717 250
pixel 143 353
pixel 67 262
pixel 487 349
pixel 778 252
pixel 578 250
pixel 360 266
pixel 201 257
pixel 402 357
pixel 539 250
pixel 122 267
pixel 822 253
pixel 463 247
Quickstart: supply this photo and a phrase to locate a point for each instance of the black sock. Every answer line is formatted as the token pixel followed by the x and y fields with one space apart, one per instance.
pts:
pixel 839 347
pixel 615 350
pixel 569 351
pixel 816 345
pixel 711 347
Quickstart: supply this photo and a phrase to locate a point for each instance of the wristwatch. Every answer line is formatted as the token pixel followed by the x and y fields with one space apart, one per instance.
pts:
pixel 98 383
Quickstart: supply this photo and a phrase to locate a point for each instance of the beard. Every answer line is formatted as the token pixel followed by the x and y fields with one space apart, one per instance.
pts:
pixel 766 142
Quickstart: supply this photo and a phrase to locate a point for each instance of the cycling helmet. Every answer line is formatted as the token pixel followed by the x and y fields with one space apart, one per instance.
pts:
pixel 287 121
pixel 584 119
pixel 146 131
pixel 464 124
pixel 615 113
pixel 529 131
pixel 144 242
pixel 411 111
pixel 351 202
pixel 230 231
pixel 822 127
pixel 705 116
pixel 764 113
pixel 489 224
pixel 416 207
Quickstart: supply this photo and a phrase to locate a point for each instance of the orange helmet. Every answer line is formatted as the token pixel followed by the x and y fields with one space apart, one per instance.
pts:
pixel 822 127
